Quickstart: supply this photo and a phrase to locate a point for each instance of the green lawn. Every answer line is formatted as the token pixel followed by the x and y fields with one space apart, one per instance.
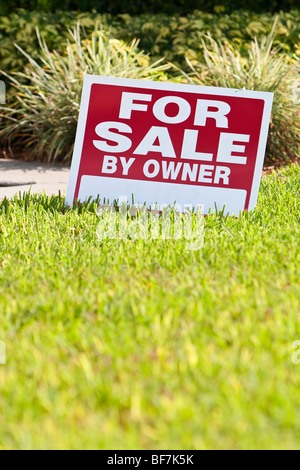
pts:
pixel 122 344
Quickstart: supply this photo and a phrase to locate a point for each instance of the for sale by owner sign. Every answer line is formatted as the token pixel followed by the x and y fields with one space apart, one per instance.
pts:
pixel 166 143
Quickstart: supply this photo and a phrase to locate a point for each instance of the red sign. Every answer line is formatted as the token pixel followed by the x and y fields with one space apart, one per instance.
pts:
pixel 169 143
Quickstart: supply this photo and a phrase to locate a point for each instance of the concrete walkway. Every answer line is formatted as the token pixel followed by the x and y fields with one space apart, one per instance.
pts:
pixel 16 176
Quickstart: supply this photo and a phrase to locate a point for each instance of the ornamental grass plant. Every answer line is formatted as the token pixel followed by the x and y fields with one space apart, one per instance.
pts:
pixel 40 123
pixel 264 67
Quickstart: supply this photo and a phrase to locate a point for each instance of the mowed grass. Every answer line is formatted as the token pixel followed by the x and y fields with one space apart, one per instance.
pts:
pixel 121 344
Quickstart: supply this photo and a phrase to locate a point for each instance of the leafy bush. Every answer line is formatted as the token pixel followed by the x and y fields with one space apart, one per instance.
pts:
pixel 262 68
pixel 41 123
pixel 178 37
pixel 21 27
pixel 172 37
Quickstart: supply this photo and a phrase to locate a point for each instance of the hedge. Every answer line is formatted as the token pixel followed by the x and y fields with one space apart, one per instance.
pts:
pixel 172 37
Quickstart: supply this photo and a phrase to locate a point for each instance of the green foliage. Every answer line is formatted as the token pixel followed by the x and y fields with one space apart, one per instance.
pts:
pixel 144 345
pixel 178 37
pixel 263 67
pixel 172 37
pixel 42 121
pixel 20 28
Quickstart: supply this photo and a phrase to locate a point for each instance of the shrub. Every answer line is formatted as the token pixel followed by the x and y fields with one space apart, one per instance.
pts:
pixel 41 123
pixel 263 68
pixel 20 27
pixel 173 37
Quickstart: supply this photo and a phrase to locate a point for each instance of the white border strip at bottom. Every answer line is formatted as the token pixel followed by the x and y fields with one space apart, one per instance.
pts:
pixel 151 192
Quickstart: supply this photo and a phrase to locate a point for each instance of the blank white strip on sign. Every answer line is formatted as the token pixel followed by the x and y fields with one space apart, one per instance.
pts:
pixel 152 192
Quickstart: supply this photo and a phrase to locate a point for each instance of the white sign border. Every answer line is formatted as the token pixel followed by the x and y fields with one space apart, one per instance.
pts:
pixel 90 80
